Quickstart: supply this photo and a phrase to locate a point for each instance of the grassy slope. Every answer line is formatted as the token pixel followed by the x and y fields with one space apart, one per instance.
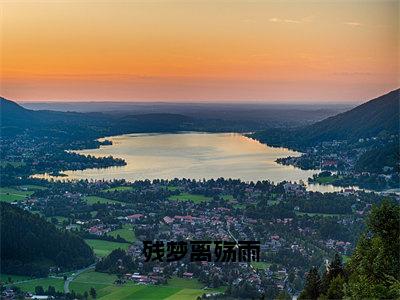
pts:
pixel 11 194
pixel 103 248
pixel 177 288
pixel 29 286
pixel 126 232
pixel 90 279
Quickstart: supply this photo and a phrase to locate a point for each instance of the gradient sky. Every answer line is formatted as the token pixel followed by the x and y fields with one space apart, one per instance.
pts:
pixel 199 50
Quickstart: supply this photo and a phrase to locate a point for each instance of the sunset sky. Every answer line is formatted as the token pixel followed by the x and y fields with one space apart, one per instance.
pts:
pixel 199 50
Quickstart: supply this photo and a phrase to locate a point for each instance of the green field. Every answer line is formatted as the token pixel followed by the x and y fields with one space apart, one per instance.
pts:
pixel 126 233
pixel 185 283
pixel 94 200
pixel 90 279
pixel 11 195
pixel 143 292
pixel 103 248
pixel 192 294
pixel 325 180
pixel 260 265
pixel 32 187
pixel 177 288
pixel 190 197
pixel 119 188
pixel 29 286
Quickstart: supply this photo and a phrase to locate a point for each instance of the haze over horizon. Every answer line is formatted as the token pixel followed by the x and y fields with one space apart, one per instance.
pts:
pixel 200 51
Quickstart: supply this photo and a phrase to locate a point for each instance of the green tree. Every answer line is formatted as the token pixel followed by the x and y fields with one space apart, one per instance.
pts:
pixel 273 268
pixel 374 266
pixel 283 295
pixel 335 290
pixel 312 289
pixel 39 290
pixel 51 290
pixel 93 292
pixel 334 269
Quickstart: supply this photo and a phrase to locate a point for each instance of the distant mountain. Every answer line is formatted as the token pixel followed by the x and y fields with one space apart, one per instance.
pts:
pixel 13 114
pixel 258 115
pixel 15 119
pixel 367 120
pixel 30 245
pixel 377 116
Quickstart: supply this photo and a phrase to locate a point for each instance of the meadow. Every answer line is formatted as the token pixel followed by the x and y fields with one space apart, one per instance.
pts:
pixel 8 194
pixel 196 198
pixel 177 288
pixel 30 284
pixel 103 248
pixel 95 199
pixel 86 280
pixel 262 265
pixel 32 187
pixel 126 233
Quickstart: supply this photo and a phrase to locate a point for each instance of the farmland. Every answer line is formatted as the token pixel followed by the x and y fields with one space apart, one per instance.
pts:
pixel 8 194
pixel 177 288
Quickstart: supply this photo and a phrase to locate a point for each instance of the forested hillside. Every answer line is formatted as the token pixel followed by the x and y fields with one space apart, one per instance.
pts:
pixel 373 271
pixel 30 245
pixel 361 144
pixel 375 117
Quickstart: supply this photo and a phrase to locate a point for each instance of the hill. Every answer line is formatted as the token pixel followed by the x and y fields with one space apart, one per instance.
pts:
pixel 373 271
pixel 377 116
pixel 15 119
pixel 30 245
pixel 11 112
pixel 154 122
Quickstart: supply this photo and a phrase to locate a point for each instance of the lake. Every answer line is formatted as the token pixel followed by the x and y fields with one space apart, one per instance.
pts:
pixel 195 156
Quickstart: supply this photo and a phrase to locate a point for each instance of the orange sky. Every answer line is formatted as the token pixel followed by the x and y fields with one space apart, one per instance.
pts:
pixel 199 50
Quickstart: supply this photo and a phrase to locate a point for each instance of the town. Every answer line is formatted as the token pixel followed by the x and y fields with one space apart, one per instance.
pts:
pixel 296 228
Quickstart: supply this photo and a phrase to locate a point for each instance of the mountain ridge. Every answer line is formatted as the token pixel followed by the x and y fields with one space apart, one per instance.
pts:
pixel 369 119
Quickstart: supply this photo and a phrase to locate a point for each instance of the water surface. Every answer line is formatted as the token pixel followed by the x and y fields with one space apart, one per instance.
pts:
pixel 194 156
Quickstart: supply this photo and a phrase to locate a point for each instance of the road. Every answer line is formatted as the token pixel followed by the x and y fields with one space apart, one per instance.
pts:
pixel 74 275
pixel 227 227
